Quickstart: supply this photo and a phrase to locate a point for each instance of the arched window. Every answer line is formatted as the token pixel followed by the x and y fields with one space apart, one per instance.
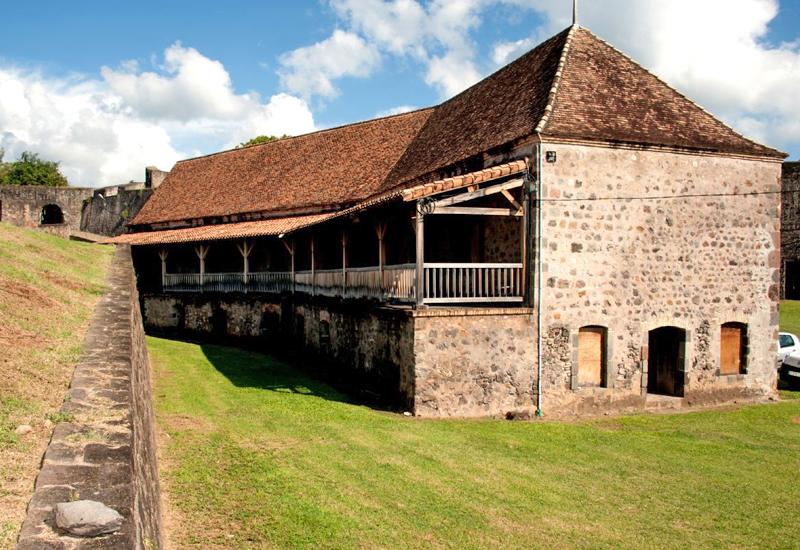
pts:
pixel 592 342
pixel 52 215
pixel 732 348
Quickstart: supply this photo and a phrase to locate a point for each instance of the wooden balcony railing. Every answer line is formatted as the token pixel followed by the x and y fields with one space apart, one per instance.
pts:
pixel 468 283
pixel 393 283
pixel 443 282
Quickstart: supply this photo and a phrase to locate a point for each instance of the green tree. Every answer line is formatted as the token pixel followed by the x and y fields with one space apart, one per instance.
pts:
pixel 29 169
pixel 260 139
pixel 3 166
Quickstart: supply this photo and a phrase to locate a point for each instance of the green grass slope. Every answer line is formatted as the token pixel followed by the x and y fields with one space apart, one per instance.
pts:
pixel 48 289
pixel 256 455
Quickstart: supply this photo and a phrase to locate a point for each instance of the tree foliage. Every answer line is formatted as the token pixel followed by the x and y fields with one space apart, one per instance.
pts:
pixel 260 139
pixel 29 169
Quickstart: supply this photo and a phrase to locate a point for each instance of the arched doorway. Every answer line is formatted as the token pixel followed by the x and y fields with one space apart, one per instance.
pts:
pixel 665 361
pixel 51 215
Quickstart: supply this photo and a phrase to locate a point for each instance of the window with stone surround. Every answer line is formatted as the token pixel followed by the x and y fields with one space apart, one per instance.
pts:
pixel 592 351
pixel 732 349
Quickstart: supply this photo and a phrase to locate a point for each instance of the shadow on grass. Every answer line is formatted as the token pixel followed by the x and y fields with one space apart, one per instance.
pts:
pixel 252 369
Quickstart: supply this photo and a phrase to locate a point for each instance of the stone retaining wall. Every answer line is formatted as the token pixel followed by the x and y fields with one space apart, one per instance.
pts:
pixel 104 450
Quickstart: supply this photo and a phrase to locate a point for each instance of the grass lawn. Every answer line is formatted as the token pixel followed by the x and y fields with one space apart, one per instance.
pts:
pixel 48 288
pixel 254 454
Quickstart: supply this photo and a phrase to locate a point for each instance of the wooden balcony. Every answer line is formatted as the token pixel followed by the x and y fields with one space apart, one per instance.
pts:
pixel 444 283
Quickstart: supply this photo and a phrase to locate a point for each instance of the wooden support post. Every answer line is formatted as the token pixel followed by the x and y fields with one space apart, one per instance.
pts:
pixel 163 253
pixel 245 249
pixel 202 252
pixel 420 256
pixel 344 263
pixel 313 270
pixel 290 249
pixel 525 228
pixel 380 231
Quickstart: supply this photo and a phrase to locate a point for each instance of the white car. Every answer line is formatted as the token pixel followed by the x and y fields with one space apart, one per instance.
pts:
pixel 788 344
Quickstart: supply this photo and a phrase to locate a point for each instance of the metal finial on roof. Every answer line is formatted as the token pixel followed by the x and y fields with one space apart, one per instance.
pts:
pixel 574 12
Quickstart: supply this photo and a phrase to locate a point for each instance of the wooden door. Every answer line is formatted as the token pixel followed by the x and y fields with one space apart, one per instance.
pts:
pixel 730 352
pixel 591 346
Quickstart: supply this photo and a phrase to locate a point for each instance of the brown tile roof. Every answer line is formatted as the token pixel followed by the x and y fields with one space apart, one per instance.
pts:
pixel 289 224
pixel 604 95
pixel 573 86
pixel 464 180
pixel 497 110
pixel 319 170
pixel 240 230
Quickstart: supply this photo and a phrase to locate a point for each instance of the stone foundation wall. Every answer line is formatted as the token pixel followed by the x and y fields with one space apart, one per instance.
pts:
pixel 351 341
pixel 434 362
pixel 474 362
pixel 105 449
pixel 21 205
pixel 635 240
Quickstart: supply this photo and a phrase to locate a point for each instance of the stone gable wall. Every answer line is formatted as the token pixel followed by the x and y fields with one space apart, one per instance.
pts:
pixel 106 450
pixel 619 253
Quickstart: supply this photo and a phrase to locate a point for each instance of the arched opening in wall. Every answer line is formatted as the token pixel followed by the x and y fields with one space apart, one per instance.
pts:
pixel 51 215
pixel 732 348
pixel 665 361
pixel 592 356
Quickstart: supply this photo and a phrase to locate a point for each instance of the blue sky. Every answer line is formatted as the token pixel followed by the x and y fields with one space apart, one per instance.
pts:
pixel 108 87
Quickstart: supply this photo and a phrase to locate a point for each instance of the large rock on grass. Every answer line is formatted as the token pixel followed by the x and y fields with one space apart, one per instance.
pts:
pixel 87 518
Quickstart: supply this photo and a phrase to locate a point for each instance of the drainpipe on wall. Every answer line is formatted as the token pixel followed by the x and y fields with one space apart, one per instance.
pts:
pixel 539 263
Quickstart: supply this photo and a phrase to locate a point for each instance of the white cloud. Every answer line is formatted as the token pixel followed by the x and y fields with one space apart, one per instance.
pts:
pixel 451 73
pixel 397 26
pixel 105 131
pixel 78 123
pixel 310 70
pixel 506 52
pixel 399 110
pixel 436 34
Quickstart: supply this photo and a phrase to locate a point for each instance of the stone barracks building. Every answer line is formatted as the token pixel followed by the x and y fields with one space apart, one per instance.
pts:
pixel 569 235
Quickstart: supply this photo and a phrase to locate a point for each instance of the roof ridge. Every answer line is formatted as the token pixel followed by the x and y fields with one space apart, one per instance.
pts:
pixel 315 132
pixel 552 95
pixel 676 91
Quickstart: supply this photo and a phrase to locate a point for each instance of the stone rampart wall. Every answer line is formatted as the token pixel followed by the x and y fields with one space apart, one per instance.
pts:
pixel 104 450
pixel 21 205
pixel 108 215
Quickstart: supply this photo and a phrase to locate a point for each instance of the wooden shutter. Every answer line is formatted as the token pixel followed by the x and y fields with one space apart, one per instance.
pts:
pixel 591 352
pixel 731 343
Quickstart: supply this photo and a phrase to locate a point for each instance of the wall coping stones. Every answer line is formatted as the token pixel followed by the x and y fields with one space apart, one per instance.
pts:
pixel 106 451
pixel 472 312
